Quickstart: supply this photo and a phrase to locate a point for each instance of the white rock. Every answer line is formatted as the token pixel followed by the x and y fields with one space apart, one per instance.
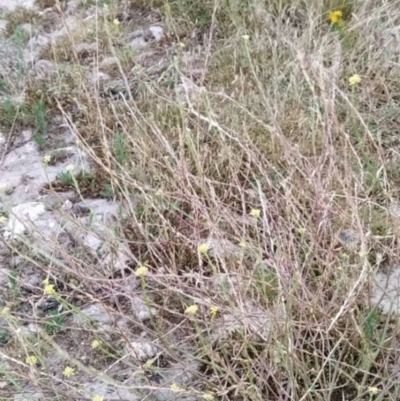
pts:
pixel 386 291
pixel 34 46
pixel 67 205
pixel 72 6
pixel 3 25
pixel 23 171
pixel 30 331
pixel 109 392
pixel 141 350
pixel 141 311
pixel 138 43
pixel 94 77
pixel 21 216
pixel 11 5
pixel 157 32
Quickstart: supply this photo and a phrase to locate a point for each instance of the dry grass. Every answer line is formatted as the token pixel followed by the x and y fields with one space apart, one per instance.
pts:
pixel 263 119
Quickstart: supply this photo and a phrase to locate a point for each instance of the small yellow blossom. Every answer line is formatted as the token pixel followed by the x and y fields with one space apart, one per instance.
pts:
pixel 213 311
pixel 141 271
pixel 149 363
pixel 245 37
pixel 203 249
pixel 181 45
pixel 31 360
pixel 47 159
pixel 5 311
pixel 175 388
pixel 95 344
pixel 49 289
pixel 373 390
pixel 70 168
pixel 3 219
pixel 191 310
pixel 116 22
pixel 68 371
pixel 354 80
pixel 335 16
pixel 98 398
pixel 242 244
pixel 256 213
pixel 208 397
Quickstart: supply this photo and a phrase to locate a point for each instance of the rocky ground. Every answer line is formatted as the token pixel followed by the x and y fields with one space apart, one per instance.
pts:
pixel 87 310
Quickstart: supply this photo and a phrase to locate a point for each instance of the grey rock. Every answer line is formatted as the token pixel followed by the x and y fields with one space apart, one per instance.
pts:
pixel 138 43
pixel 96 313
pixel 81 48
pixel 5 275
pixel 54 201
pixel 28 396
pixel 110 392
pixel 348 237
pixel 108 62
pixel 141 311
pixel 43 69
pixel 141 350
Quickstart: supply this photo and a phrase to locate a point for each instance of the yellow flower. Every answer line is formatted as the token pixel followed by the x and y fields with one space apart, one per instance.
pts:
pixel 175 388
pixel 3 219
pixel 95 344
pixel 245 37
pixel 141 271
pixel 256 213
pixel 70 168
pixel 47 159
pixel 49 289
pixel 203 249
pixel 373 390
pixel 98 398
pixel 354 80
pixel 335 16
pixel 149 363
pixel 213 311
pixel 68 371
pixel 5 311
pixel 116 22
pixel 191 310
pixel 208 396
pixel 242 244
pixel 181 45
pixel 31 360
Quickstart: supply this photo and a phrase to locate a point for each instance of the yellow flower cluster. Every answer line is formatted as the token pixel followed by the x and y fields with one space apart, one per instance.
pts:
pixel 336 17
